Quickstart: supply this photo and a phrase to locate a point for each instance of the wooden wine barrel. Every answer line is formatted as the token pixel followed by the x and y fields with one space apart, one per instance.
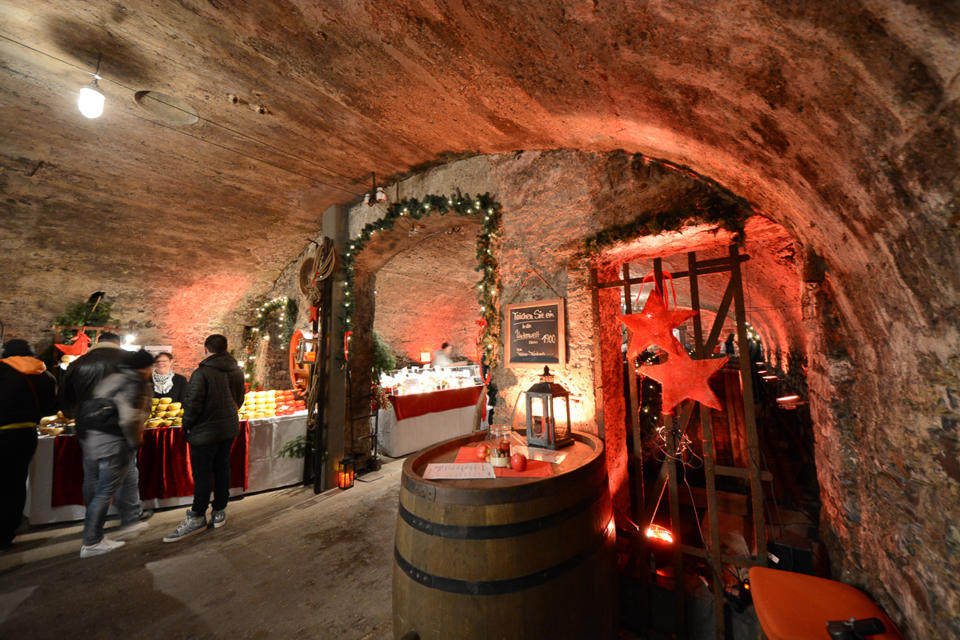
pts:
pixel 506 558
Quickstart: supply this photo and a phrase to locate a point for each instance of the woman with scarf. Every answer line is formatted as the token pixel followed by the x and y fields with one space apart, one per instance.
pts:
pixel 166 383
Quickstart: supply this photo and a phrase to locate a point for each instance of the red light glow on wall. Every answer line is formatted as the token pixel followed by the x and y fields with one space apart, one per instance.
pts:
pixel 196 311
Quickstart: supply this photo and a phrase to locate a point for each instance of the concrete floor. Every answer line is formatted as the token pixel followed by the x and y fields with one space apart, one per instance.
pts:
pixel 288 564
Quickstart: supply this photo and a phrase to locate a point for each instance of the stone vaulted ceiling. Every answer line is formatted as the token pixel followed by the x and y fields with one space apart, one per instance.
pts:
pixel 837 120
pixel 799 107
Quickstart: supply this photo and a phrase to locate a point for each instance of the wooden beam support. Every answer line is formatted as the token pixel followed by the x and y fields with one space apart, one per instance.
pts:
pixel 718 320
pixel 749 417
pixel 720 265
pixel 738 472
pixel 709 459
pixel 679 613
pixel 634 410
pixel 723 502
pixel 737 561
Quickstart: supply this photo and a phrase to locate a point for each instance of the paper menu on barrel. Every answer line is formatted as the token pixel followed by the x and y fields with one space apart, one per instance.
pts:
pixel 458 471
pixel 535 333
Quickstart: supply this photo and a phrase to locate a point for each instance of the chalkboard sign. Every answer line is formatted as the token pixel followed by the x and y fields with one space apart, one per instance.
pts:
pixel 535 333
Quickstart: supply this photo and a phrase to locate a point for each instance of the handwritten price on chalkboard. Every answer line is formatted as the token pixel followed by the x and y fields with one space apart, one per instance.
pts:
pixel 535 333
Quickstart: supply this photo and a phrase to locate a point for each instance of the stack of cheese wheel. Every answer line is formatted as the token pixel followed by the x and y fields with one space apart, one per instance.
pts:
pixel 269 404
pixel 165 413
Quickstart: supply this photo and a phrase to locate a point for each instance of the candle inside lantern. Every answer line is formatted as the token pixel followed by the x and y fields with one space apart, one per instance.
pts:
pixel 345 473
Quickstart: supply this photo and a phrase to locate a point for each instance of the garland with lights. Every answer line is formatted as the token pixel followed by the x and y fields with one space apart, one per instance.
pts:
pixel 719 207
pixel 488 286
pixel 288 317
pixel 265 314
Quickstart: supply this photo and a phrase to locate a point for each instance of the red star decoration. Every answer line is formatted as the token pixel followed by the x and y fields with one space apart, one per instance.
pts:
pixel 654 325
pixel 78 347
pixel 682 377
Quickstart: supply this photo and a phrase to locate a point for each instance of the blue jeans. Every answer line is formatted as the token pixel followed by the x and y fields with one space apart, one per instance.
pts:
pixel 116 479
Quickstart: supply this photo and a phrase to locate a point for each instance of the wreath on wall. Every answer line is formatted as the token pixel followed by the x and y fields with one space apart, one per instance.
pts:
pixel 488 287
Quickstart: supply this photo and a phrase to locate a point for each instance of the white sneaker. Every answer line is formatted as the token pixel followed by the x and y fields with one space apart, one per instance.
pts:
pixel 106 545
pixel 131 530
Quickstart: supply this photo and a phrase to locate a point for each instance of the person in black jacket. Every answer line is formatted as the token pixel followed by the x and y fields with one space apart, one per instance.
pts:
pixel 77 385
pixel 86 372
pixel 27 393
pixel 214 395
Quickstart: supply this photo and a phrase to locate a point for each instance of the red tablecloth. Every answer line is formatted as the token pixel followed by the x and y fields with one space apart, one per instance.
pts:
pixel 163 462
pixel 418 404
pixel 535 468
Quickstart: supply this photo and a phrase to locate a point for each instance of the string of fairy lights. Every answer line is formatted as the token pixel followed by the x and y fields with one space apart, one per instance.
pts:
pixel 488 287
pixel 267 314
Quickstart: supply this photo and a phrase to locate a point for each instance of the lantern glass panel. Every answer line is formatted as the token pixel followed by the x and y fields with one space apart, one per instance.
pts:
pixel 345 473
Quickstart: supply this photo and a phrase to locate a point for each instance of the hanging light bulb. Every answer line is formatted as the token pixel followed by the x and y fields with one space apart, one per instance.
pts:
pixel 91 100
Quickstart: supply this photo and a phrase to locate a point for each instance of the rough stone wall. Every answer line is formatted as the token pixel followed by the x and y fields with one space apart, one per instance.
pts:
pixel 838 119
pixel 551 202
pixel 434 282
pixel 882 373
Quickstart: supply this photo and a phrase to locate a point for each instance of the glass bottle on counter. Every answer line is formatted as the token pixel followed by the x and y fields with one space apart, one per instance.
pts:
pixel 498 442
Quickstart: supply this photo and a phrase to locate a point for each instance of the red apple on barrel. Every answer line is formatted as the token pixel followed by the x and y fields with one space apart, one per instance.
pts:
pixel 518 462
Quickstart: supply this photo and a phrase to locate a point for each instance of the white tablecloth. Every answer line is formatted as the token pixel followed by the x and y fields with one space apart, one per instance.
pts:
pixel 401 437
pixel 265 470
pixel 267 436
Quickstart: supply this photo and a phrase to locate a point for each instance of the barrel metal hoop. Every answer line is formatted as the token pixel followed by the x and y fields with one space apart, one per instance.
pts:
pixel 420 489
pixel 487 532
pixel 497 587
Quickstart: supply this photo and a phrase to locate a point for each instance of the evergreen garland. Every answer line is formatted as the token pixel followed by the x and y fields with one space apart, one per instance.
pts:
pixel 288 316
pixel 82 313
pixel 488 287
pixel 265 315
pixel 719 207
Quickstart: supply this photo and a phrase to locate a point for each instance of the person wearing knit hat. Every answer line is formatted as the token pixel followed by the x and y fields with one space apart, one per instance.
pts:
pixel 110 426
pixel 17 347
pixel 27 393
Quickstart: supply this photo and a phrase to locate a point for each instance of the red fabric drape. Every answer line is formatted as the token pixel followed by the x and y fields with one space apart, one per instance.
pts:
pixel 163 462
pixel 67 472
pixel 418 404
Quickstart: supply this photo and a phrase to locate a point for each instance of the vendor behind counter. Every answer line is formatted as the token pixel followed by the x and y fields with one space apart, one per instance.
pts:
pixel 166 383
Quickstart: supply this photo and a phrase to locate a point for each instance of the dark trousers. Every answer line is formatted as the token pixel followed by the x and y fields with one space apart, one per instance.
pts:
pixel 211 465
pixel 16 449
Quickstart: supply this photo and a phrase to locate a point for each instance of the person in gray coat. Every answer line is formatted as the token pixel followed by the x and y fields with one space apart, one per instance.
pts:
pixel 110 427
pixel 214 395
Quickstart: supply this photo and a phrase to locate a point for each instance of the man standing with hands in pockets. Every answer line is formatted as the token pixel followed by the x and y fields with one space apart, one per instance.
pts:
pixel 210 421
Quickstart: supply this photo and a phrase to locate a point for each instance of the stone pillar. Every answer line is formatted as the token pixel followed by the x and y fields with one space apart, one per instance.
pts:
pixel 610 334
pixel 335 227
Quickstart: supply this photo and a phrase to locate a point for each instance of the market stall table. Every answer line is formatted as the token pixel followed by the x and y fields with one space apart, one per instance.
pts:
pixel 56 473
pixel 418 420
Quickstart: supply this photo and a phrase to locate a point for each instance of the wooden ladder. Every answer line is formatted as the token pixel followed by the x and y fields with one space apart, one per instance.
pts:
pixel 676 426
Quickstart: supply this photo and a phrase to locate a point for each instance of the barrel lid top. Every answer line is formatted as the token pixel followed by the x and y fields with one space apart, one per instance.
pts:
pixel 586 451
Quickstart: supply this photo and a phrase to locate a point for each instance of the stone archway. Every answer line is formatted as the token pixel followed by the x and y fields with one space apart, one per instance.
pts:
pixel 408 227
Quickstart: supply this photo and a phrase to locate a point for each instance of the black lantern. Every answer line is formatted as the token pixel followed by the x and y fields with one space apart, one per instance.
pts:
pixel 542 427
pixel 345 473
